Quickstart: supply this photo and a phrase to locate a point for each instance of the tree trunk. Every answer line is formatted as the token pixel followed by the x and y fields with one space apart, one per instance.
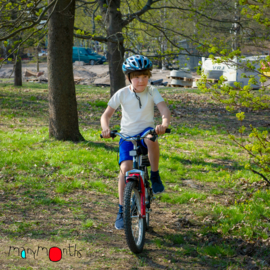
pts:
pixel 115 50
pixel 236 27
pixel 37 59
pixel 18 71
pixel 63 115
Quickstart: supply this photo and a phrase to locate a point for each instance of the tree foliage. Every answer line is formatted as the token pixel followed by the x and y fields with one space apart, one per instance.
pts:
pixel 238 97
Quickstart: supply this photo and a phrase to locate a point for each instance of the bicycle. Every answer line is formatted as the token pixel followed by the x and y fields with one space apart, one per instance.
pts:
pixel 138 194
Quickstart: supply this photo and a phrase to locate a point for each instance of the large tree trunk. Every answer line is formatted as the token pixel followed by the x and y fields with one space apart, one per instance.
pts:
pixel 115 50
pixel 37 59
pixel 18 71
pixel 63 115
pixel 18 60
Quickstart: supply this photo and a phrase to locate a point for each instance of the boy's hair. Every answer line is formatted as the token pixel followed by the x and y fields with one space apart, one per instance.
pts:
pixel 140 72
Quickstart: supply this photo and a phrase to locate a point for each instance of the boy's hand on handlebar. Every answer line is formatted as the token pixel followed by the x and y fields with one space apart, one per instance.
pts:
pixel 106 133
pixel 160 129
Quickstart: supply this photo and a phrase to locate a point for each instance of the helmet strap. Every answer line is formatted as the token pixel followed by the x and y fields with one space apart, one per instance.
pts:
pixel 139 99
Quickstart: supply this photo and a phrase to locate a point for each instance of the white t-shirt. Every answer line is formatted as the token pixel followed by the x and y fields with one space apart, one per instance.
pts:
pixel 135 119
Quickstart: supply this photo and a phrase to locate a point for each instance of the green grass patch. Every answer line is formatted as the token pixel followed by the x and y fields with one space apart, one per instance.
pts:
pixel 184 197
pixel 176 239
pixel 247 218
pixel 89 223
pixel 217 251
pixel 99 103
pixel 158 242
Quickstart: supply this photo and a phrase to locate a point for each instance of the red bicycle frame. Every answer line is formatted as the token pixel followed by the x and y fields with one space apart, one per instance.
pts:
pixel 142 191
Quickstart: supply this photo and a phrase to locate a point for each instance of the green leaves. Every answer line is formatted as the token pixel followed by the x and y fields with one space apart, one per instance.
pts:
pixel 98 18
pixel 80 32
pixel 240 116
pixel 8 6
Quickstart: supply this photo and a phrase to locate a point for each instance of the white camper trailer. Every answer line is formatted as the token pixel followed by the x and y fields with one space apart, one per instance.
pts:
pixel 234 70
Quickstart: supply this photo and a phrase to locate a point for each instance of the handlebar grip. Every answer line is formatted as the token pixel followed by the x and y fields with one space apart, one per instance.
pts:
pixel 112 134
pixel 168 130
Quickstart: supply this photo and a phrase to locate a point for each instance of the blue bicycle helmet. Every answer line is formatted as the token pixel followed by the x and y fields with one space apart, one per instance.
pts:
pixel 136 63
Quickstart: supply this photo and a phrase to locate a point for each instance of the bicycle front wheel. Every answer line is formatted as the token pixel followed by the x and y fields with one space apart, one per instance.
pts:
pixel 134 224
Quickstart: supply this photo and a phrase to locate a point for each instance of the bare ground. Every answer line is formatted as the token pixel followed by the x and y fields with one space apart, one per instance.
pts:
pixel 103 247
pixel 97 74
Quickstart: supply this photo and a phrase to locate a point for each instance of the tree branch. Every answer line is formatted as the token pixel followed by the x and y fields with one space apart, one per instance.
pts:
pixel 113 38
pixel 33 24
pixel 162 30
pixel 261 176
pixel 131 17
pixel 197 12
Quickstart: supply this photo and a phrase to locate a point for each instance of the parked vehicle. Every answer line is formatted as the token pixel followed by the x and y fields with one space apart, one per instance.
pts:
pixel 87 56
pixel 42 53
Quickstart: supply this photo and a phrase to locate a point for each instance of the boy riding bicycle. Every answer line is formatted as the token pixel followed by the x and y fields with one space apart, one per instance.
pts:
pixel 137 102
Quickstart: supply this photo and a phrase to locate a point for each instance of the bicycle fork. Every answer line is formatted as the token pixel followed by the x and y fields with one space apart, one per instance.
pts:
pixel 141 188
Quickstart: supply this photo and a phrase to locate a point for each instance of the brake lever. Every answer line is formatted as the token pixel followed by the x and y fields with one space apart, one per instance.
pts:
pixel 153 139
pixel 155 135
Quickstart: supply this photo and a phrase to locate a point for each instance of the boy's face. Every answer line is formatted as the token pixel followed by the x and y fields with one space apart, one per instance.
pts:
pixel 139 82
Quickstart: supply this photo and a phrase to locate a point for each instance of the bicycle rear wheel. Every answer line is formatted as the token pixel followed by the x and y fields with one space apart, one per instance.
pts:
pixel 134 224
pixel 147 221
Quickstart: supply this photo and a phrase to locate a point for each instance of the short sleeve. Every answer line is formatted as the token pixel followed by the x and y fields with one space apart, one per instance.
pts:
pixel 156 96
pixel 114 102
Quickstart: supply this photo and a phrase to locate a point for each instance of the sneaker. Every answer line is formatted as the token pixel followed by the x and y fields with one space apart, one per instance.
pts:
pixel 157 185
pixel 119 223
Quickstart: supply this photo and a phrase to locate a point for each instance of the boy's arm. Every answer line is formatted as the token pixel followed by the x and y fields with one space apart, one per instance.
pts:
pixel 105 121
pixel 166 118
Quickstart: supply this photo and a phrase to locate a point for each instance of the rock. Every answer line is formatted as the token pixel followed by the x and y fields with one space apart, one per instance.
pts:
pixel 191 184
pixel 78 63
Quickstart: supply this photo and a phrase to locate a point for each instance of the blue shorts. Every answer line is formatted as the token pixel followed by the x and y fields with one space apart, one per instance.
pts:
pixel 125 147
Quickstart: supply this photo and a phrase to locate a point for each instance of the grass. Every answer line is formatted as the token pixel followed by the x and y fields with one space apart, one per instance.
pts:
pixel 74 186
pixel 245 218
pixel 88 224
pixel 217 251
pixel 183 197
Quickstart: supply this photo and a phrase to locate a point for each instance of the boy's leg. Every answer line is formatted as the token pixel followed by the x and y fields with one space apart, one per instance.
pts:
pixel 125 166
pixel 153 154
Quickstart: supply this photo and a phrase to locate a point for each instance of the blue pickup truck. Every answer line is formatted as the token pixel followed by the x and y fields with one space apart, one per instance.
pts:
pixel 87 56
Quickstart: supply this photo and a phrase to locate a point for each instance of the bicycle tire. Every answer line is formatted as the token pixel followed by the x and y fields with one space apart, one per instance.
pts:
pixel 147 215
pixel 134 225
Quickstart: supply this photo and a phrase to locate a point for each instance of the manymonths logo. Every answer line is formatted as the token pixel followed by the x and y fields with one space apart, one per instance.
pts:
pixel 55 254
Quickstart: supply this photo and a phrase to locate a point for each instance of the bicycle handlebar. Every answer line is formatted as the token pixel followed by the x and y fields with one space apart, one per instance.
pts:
pixel 132 138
